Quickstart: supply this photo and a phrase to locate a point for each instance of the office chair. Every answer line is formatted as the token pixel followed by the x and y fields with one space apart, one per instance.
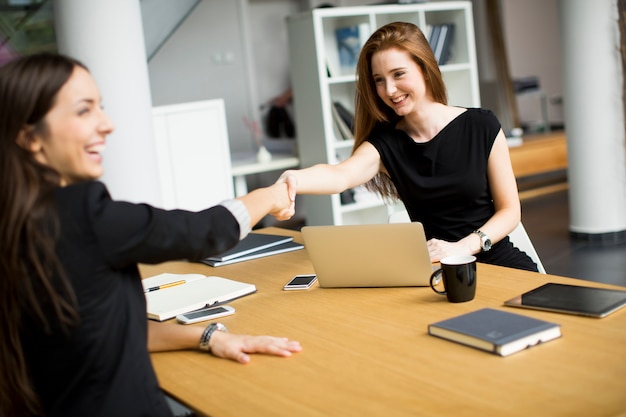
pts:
pixel 518 237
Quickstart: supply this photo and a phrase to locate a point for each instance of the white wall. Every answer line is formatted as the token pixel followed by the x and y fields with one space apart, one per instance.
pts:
pixel 206 58
pixel 160 18
pixel 269 46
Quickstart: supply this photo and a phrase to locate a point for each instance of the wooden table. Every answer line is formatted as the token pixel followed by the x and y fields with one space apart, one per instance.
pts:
pixel 367 353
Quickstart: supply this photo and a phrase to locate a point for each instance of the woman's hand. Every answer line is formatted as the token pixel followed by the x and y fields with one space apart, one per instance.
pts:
pixel 439 249
pixel 290 181
pixel 236 347
pixel 170 336
pixel 288 177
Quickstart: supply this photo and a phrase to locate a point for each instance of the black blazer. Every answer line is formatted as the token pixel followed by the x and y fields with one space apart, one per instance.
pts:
pixel 102 368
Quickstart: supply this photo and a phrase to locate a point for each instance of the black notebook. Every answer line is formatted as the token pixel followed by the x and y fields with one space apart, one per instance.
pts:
pixel 252 243
pixel 495 331
pixel 272 250
pixel 572 299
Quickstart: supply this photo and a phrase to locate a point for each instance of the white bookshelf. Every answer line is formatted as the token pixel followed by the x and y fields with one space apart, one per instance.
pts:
pixel 312 46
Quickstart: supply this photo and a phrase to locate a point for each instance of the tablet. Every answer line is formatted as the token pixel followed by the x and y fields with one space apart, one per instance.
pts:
pixel 571 299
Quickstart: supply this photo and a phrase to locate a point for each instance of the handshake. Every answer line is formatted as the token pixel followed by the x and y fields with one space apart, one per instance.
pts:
pixel 284 190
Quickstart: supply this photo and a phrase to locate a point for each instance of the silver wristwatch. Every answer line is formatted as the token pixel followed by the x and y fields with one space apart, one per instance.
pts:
pixel 485 242
pixel 208 332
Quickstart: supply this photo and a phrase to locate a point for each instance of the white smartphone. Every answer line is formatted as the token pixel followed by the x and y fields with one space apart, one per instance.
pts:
pixel 300 282
pixel 205 314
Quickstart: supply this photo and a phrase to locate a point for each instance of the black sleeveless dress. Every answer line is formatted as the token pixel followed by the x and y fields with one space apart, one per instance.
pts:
pixel 443 182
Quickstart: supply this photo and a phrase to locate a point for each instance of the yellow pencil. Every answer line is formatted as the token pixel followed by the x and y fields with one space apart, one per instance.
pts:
pixel 170 284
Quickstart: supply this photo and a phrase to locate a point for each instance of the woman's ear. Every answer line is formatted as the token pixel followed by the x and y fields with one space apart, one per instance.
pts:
pixel 26 139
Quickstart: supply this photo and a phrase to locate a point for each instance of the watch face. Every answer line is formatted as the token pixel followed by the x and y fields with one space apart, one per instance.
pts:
pixel 485 242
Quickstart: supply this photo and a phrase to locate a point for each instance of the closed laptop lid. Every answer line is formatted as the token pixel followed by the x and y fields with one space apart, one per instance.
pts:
pixel 369 255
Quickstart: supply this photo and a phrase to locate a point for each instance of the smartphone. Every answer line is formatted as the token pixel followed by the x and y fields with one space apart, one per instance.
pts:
pixel 300 282
pixel 205 314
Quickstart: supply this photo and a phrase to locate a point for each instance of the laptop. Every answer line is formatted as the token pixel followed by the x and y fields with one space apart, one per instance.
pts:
pixel 369 255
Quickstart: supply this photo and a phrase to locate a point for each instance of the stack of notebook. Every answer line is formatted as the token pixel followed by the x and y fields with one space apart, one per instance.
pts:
pixel 255 245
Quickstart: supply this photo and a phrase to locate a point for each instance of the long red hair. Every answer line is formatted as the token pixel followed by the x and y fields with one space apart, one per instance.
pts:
pixel 370 110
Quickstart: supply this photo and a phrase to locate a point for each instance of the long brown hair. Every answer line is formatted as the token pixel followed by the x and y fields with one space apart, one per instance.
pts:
pixel 28 222
pixel 370 110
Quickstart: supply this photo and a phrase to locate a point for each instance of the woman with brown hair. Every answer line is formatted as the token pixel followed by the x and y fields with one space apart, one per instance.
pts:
pixel 449 165
pixel 75 337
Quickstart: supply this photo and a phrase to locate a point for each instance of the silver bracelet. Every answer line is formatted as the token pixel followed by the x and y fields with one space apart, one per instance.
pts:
pixel 208 332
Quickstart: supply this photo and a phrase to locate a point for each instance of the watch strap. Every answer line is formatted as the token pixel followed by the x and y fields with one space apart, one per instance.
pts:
pixel 485 241
pixel 208 332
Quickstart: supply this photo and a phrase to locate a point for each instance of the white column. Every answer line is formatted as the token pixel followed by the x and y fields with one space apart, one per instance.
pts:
pixel 107 36
pixel 594 121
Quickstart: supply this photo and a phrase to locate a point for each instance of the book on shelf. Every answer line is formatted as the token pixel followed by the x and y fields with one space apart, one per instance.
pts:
pixel 339 136
pixel 168 295
pixel 331 70
pixel 448 38
pixel 269 251
pixel 251 243
pixel 433 34
pixel 440 40
pixel 350 39
pixel 495 331
pixel 345 114
pixel 343 119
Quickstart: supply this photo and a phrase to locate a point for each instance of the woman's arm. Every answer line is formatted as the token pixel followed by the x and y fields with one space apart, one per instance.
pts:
pixel 171 336
pixel 506 201
pixel 359 168
pixel 504 192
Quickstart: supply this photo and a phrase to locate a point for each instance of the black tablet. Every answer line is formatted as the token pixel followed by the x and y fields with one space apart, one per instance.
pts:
pixel 572 299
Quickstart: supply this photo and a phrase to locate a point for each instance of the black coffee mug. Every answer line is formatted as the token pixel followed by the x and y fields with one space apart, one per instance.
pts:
pixel 458 274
